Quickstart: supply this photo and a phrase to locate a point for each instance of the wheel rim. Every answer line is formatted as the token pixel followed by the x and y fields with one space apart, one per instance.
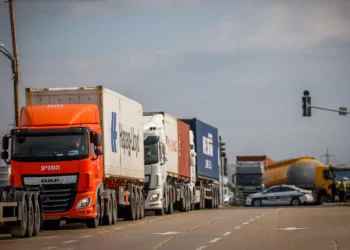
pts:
pixel 295 202
pixel 257 203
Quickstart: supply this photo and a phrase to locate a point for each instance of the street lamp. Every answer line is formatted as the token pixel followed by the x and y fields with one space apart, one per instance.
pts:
pixel 15 75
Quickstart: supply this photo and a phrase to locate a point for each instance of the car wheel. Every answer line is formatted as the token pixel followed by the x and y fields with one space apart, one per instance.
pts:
pixel 296 202
pixel 257 203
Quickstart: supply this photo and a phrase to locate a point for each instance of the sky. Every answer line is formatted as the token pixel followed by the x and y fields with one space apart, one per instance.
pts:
pixel 240 66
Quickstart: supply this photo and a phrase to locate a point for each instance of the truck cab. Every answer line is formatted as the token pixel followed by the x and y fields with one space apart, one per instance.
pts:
pixel 248 180
pixel 58 147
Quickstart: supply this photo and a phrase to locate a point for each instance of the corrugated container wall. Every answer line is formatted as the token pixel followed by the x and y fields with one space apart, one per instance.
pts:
pixel 206 139
pixel 121 120
pixel 265 158
pixel 184 148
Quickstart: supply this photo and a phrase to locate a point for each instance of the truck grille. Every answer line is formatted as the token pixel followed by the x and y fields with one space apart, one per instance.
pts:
pixel 58 198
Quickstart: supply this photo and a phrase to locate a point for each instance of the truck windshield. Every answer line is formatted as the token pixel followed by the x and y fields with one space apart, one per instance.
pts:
pixel 49 147
pixel 151 154
pixel 340 174
pixel 249 179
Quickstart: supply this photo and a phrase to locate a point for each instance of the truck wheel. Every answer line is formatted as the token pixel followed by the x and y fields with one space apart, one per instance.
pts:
pixel 31 214
pixel 161 212
pixel 171 203
pixel 322 198
pixel 138 205
pixel 19 228
pixel 114 209
pixel 202 199
pixel 108 216
pixel 37 216
pixel 94 222
pixel 142 204
pixel 132 208
pixel 188 200
pixel 295 202
pixel 257 203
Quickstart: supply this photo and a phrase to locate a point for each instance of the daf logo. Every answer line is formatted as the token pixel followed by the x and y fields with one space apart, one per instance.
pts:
pixel 50 180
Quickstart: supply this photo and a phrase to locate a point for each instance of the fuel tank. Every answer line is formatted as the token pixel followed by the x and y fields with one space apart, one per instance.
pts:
pixel 296 171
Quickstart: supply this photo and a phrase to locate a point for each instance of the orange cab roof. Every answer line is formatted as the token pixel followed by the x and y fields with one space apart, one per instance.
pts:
pixel 59 115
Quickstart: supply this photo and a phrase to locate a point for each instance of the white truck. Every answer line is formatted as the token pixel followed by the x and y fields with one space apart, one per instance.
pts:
pixel 169 164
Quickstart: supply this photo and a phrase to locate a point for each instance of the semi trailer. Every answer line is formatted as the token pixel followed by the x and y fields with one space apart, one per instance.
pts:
pixel 84 146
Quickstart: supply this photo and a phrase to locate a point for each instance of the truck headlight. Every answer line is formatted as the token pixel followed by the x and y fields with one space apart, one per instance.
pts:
pixel 85 202
pixel 154 197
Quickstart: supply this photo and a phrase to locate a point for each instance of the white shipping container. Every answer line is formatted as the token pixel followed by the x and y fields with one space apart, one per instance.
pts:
pixel 171 137
pixel 121 122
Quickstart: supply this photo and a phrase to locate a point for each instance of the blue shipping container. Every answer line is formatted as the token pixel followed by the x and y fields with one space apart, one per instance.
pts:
pixel 206 139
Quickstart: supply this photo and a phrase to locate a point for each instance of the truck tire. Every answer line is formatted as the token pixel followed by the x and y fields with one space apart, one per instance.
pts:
pixel 171 201
pixel 108 211
pixel 322 198
pixel 202 199
pixel 138 204
pixel 19 228
pixel 37 215
pixel 95 222
pixel 142 202
pixel 131 210
pixel 31 215
pixel 188 200
pixel 161 212
pixel 114 209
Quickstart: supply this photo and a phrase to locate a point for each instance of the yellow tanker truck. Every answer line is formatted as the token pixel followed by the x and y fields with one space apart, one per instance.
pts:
pixel 308 173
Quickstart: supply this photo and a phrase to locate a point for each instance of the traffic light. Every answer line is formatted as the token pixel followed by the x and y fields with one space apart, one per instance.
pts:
pixel 306 99
pixel 222 156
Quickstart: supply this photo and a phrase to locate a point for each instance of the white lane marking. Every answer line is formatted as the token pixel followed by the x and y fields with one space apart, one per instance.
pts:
pixel 131 225
pixel 251 219
pixel 69 241
pixel 48 248
pixel 215 240
pixel 227 233
pixel 117 228
pixel 245 223
pixel 168 233
pixel 237 227
pixel 86 236
pixel 292 228
pixel 200 248
pixel 102 232
pixel 257 217
pixel 48 237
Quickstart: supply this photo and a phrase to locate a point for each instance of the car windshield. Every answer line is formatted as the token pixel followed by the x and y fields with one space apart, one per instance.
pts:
pixel 341 174
pixel 151 154
pixel 249 179
pixel 49 147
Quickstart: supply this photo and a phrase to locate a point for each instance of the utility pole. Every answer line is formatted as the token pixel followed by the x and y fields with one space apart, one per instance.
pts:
pixel 327 155
pixel 15 62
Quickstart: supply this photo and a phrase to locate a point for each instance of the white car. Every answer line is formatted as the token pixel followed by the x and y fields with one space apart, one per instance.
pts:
pixel 280 195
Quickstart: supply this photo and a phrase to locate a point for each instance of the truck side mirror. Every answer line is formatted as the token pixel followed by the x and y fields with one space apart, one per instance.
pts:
pixel 5 143
pixel 98 140
pixel 98 151
pixel 4 155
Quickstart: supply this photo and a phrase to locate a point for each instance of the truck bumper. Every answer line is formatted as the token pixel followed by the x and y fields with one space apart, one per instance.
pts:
pixel 76 213
pixel 154 200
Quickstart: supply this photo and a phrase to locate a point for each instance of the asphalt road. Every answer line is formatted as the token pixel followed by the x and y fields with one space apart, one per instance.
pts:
pixel 321 228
